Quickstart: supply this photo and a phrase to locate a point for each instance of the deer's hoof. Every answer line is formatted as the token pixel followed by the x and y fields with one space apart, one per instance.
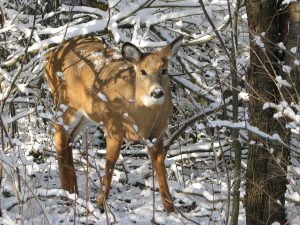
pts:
pixel 100 201
pixel 169 207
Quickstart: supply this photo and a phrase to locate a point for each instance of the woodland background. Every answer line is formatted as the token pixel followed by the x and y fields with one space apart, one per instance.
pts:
pixel 233 139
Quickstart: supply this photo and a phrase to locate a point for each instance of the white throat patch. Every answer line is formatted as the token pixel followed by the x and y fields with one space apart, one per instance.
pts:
pixel 150 101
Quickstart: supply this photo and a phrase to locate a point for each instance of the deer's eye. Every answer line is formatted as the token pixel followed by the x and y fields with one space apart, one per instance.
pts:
pixel 164 71
pixel 143 72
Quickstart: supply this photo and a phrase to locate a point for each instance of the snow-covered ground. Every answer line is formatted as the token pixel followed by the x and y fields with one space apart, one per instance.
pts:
pixel 31 191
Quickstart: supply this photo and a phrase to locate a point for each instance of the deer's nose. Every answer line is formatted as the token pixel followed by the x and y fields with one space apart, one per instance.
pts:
pixel 157 93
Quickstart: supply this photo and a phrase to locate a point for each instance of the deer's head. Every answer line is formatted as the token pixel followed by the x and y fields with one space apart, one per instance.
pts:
pixel 152 79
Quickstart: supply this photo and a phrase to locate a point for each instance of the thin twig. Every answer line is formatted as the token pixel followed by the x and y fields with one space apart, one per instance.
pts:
pixel 3 128
pixel 153 195
pixel 235 108
pixel 207 38
pixel 215 29
pixel 193 119
pixel 87 196
pixel 228 181
pixel 184 216
pixel 1 176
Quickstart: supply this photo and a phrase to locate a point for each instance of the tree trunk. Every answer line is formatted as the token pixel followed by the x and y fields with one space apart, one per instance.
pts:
pixel 291 94
pixel 235 132
pixel 266 169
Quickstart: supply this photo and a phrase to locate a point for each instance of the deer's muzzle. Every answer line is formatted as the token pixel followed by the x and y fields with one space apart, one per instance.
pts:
pixel 157 93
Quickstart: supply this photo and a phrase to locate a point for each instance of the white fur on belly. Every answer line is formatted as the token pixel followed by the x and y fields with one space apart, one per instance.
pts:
pixel 150 101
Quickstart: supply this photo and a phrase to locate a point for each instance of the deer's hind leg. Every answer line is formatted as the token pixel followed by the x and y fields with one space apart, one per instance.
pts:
pixel 65 159
pixel 63 140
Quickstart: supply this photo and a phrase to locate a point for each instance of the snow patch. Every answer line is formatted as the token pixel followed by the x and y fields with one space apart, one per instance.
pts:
pixel 63 107
pixel 281 82
pixel 286 69
pixel 281 46
pixel 258 41
pixel 23 88
pixel 179 23
pixel 60 74
pixel 136 128
pixel 293 50
pixel 102 96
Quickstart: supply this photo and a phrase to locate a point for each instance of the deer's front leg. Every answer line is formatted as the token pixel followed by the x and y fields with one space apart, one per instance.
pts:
pixel 113 143
pixel 158 161
pixel 65 160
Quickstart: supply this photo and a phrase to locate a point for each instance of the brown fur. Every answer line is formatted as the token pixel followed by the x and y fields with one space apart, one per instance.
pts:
pixel 90 67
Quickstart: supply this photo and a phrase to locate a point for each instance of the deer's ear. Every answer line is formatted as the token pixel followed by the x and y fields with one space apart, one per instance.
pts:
pixel 131 53
pixel 171 49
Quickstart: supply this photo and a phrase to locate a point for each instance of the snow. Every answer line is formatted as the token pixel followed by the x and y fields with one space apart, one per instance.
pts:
pixel 68 8
pixel 293 50
pixel 23 88
pixel 102 96
pixel 7 120
pixel 197 159
pixel 286 69
pixel 113 3
pixel 287 1
pixel 258 41
pixel 244 96
pixel 281 82
pixel 60 74
pixel 283 109
pixel 281 46
pixel 179 23
pixel 63 107
pixel 5 74
pixel 136 128
pixel 276 223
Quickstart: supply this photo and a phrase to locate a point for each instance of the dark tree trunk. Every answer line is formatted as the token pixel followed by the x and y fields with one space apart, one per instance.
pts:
pixel 291 94
pixel 266 170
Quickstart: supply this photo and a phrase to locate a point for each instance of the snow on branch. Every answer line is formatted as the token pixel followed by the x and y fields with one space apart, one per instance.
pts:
pixel 208 37
pixel 274 138
pixel 284 109
pixel 9 120
pixel 83 9
pixel 209 110
pixel 136 15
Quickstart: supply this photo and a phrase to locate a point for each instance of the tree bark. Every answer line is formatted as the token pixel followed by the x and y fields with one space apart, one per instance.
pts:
pixel 291 94
pixel 266 168
pixel 235 132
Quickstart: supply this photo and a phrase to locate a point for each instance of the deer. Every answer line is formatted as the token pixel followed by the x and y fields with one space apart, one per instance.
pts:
pixel 126 91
